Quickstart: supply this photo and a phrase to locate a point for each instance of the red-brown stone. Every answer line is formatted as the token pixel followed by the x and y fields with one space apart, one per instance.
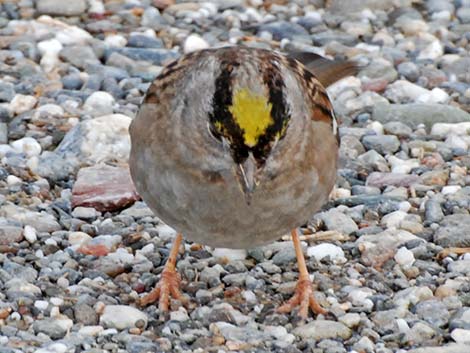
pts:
pixel 104 187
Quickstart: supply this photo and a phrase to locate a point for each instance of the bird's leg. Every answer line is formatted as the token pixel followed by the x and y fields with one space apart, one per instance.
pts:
pixel 169 284
pixel 303 295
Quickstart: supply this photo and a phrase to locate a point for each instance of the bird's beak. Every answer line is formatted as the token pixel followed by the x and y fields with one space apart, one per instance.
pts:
pixel 247 177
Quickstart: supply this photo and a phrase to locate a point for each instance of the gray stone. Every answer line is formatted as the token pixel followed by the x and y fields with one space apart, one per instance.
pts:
pixel 79 56
pixel 156 56
pixel 454 231
pixel 10 234
pixel 461 266
pixel 53 327
pixel 284 29
pixel 397 128
pixel 143 41
pixel 463 14
pixel 417 113
pixel 433 211
pixel 41 221
pixel 211 275
pixel 61 8
pixel 7 91
pixel 348 7
pixel 323 329
pixel 336 220
pixel 374 160
pixel 384 144
pixel 85 314
pixel 434 312
pixel 409 70
pixel 285 256
pixel 458 67
pixel 240 334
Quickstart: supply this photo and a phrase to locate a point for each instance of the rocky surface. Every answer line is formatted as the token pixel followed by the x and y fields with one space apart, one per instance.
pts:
pixel 78 249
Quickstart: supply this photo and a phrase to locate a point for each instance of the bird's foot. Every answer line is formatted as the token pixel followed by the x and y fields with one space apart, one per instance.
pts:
pixel 304 298
pixel 169 284
pixel 168 287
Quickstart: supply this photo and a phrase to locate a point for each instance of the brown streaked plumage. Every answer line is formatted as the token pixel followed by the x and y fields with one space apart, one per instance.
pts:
pixel 234 147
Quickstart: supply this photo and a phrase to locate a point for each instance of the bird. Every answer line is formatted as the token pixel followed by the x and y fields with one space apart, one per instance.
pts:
pixel 234 147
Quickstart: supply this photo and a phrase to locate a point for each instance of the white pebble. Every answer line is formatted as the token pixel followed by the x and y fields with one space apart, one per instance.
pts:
pixel 404 257
pixel 450 189
pixel 28 146
pixel 194 42
pixel 180 315
pixel 116 40
pixel 444 129
pixel 56 301
pixel 30 234
pixel 455 141
pixel 393 219
pixel 91 330
pixel 51 109
pixel 436 95
pixel 96 7
pixel 319 252
pixel 433 51
pixel 165 232
pixel 63 282
pixel 350 319
pixel 5 149
pixel 50 54
pixel 22 103
pixel 402 166
pixel 50 241
pixel 461 335
pixel 13 180
pixel 359 297
pixel 231 254
pixel 249 297
pixel 377 127
pixel 15 316
pixel 50 47
pixel 41 304
pixel 122 317
pixel 99 103
pixel 78 238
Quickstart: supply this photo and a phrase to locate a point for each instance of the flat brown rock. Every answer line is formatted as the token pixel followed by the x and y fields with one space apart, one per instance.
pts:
pixel 104 187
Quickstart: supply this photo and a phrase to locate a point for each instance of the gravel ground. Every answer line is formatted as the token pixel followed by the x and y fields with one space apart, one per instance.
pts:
pixel 78 247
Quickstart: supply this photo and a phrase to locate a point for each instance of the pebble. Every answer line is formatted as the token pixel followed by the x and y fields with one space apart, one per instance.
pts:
pixel 52 7
pixel 453 231
pixel 336 220
pixel 193 43
pixel 30 234
pixel 382 144
pixel 123 317
pixel 321 251
pixel 404 257
pixel 102 188
pixel 22 103
pixel 99 104
pixel 461 336
pixel 323 329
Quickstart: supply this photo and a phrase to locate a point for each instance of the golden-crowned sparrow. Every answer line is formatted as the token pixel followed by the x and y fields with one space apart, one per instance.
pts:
pixel 235 146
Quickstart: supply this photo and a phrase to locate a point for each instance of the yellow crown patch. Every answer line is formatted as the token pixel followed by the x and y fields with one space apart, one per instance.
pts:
pixel 252 113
